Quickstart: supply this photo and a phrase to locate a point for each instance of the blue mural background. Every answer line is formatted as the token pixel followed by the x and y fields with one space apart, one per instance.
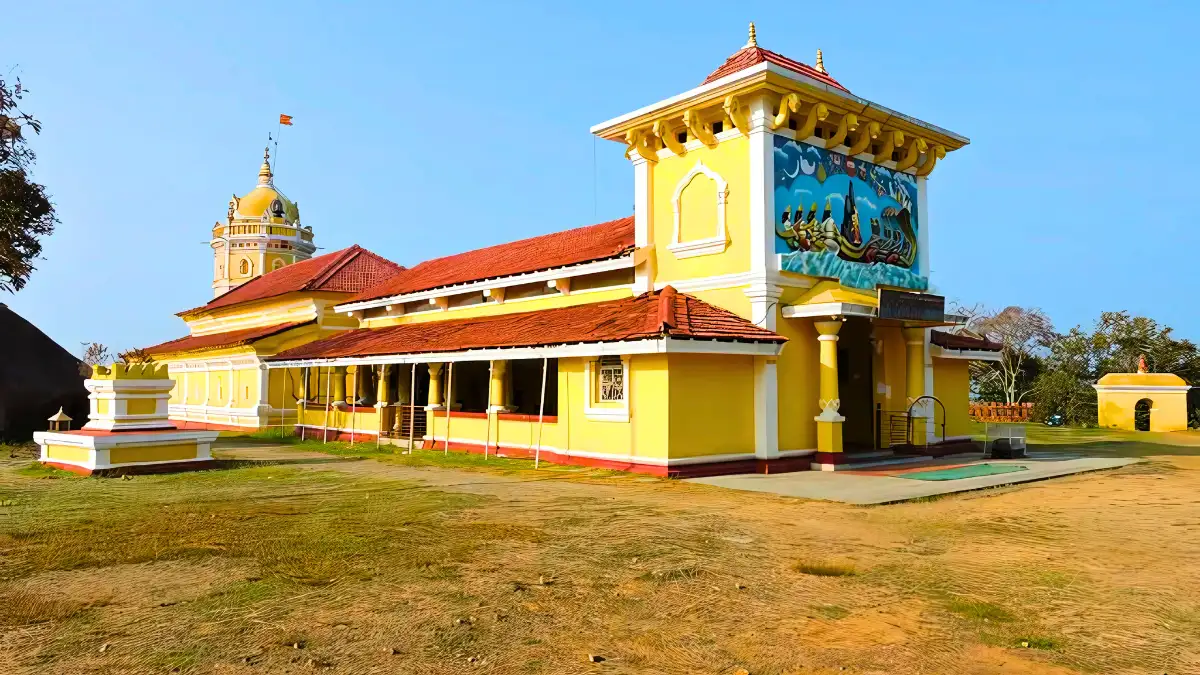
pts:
pixel 841 217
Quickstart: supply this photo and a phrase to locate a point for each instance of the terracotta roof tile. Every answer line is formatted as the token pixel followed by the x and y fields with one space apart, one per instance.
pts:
pixel 752 56
pixel 349 270
pixel 665 313
pixel 960 341
pixel 559 249
pixel 231 338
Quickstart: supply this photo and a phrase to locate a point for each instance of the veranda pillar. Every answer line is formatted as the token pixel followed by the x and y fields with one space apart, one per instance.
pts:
pixel 337 393
pixel 914 350
pixel 435 386
pixel 498 385
pixel 829 422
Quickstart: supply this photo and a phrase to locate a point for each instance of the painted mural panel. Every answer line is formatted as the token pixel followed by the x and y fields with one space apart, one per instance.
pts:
pixel 841 217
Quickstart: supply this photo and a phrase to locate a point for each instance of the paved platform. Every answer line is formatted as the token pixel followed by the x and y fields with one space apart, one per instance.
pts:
pixel 887 487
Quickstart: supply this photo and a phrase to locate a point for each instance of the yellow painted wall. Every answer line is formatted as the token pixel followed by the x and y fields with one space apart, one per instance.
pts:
pixel 152 453
pixel 952 385
pixel 245 388
pixel 894 373
pixel 645 435
pixel 66 453
pixel 140 406
pixel 1168 410
pixel 362 420
pixel 495 309
pixel 288 308
pixel 731 160
pixel 681 405
pixel 733 299
pixel 711 404
pixel 798 383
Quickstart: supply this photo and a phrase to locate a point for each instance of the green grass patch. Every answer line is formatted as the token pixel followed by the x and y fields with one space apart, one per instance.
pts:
pixel 824 568
pixel 833 612
pixel 39 470
pixel 979 610
pixel 1037 642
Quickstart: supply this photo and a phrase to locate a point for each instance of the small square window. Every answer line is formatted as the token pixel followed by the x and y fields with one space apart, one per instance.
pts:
pixel 718 127
pixel 612 381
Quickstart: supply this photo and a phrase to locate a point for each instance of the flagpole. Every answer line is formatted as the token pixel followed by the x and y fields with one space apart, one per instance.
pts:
pixel 278 131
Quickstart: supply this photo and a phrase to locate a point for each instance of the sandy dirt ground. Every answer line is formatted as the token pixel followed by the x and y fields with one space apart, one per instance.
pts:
pixel 375 565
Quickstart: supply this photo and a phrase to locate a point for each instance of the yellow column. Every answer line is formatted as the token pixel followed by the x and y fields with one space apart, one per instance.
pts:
pixel 435 385
pixel 363 381
pixel 384 385
pixel 829 422
pixel 337 385
pixel 498 385
pixel 914 349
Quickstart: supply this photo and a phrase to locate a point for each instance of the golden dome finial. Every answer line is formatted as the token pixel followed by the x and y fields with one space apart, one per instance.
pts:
pixel 820 62
pixel 264 171
pixel 753 41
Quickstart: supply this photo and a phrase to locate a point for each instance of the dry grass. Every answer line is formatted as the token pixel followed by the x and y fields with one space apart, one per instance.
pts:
pixel 825 568
pixel 406 567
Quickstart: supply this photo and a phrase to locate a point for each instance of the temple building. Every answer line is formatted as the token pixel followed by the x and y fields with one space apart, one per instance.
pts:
pixel 765 307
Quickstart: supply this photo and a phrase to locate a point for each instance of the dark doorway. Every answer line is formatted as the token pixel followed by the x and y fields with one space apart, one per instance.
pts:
pixel 1141 415
pixel 856 385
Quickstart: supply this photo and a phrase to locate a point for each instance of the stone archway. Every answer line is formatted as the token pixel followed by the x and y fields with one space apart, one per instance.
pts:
pixel 1141 414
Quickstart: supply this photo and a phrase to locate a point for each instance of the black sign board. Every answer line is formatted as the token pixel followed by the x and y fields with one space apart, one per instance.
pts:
pixel 911 306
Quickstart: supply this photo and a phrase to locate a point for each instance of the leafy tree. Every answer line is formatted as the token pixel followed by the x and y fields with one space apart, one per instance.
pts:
pixel 1064 387
pixel 26 213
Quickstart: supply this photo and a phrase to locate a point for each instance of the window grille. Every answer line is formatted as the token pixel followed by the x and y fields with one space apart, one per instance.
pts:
pixel 612 380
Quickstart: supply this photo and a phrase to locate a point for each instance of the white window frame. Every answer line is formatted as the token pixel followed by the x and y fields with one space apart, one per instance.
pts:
pixel 720 239
pixel 592 381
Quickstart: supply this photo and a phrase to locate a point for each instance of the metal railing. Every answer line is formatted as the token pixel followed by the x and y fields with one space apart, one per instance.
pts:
pixel 910 417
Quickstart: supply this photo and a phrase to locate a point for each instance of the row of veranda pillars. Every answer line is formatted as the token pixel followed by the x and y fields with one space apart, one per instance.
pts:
pixel 829 422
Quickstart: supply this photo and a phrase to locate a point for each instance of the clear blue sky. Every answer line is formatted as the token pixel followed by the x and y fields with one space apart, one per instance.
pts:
pixel 431 128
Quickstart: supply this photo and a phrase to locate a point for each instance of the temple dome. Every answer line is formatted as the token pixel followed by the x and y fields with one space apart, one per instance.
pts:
pixel 258 201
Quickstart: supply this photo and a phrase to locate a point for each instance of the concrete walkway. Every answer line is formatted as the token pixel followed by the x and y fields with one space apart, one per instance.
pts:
pixel 883 489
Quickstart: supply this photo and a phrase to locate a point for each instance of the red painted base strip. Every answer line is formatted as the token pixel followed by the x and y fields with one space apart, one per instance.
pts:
pixel 318 433
pixel 137 469
pixel 679 471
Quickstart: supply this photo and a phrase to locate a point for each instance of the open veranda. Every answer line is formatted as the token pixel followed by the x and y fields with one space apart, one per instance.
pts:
pixel 300 556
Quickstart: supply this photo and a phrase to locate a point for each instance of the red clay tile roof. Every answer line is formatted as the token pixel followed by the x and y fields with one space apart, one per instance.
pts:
pixel 558 249
pixel 752 56
pixel 231 338
pixel 349 270
pixel 959 341
pixel 665 313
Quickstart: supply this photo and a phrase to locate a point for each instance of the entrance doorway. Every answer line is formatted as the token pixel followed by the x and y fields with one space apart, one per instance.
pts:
pixel 856 385
pixel 1141 415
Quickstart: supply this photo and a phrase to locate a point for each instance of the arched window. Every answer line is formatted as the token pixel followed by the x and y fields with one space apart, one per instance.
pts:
pixel 244 267
pixel 278 264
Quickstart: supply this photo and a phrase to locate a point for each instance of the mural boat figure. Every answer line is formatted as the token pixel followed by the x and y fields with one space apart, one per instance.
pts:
pixel 824 245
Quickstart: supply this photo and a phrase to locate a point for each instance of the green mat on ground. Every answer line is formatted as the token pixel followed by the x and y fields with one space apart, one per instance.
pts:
pixel 969 471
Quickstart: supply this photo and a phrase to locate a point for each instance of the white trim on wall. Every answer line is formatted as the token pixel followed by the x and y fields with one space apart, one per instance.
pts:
pixel 621 348
pixel 623 262
pixel 600 413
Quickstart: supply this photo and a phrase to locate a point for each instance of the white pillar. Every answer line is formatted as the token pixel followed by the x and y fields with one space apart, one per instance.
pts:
pixel 923 226
pixel 766 408
pixel 763 261
pixel 643 234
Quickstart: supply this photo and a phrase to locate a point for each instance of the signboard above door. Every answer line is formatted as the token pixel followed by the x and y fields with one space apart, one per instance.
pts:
pixel 904 306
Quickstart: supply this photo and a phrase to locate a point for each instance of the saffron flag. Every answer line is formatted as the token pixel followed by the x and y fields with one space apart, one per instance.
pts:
pixel 285 119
